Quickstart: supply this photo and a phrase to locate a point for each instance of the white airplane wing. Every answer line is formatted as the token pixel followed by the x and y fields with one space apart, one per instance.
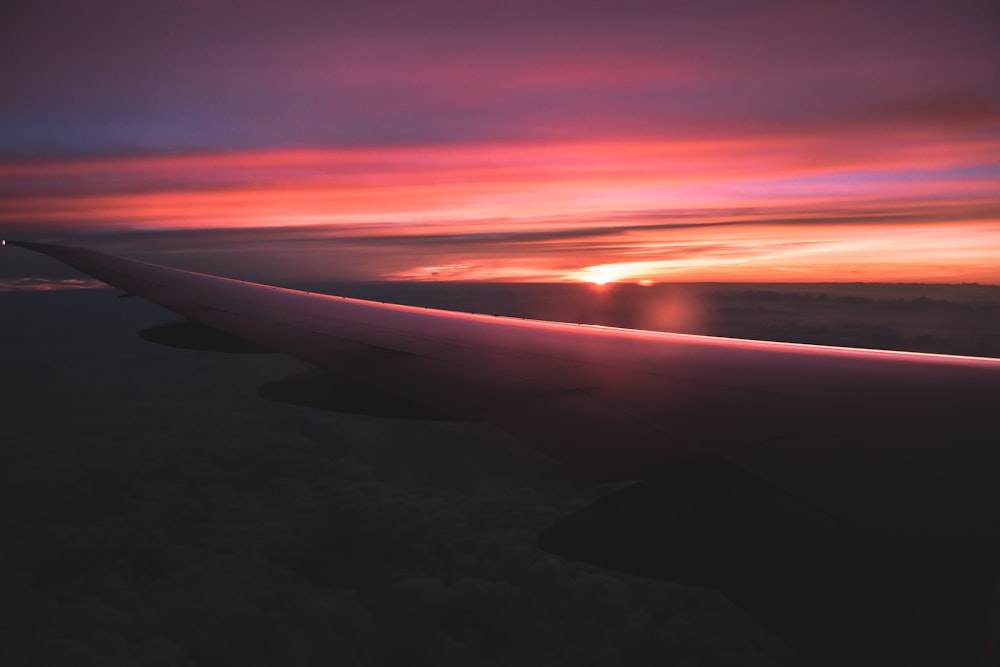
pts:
pixel 778 471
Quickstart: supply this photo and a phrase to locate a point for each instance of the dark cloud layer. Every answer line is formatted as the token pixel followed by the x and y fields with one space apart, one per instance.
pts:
pixel 156 512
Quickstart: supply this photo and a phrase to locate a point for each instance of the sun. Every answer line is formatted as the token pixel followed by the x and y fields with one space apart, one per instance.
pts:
pixel 602 277
pixel 599 275
pixel 605 274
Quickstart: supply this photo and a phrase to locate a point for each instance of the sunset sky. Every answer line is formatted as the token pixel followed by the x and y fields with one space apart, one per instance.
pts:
pixel 536 140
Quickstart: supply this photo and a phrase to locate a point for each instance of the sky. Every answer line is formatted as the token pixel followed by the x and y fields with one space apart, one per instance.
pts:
pixel 526 141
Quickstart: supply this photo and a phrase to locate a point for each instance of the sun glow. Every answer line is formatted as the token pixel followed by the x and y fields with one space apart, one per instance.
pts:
pixel 599 275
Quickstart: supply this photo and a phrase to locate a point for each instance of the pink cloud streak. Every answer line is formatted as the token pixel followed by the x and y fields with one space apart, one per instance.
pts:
pixel 886 206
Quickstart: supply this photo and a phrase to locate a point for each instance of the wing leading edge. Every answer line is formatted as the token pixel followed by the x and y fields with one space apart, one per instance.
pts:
pixel 898 447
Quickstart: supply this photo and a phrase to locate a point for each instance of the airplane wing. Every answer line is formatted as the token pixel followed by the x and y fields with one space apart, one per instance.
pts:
pixel 857 485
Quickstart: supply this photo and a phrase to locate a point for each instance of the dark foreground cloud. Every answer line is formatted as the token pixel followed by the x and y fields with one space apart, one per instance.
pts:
pixel 155 512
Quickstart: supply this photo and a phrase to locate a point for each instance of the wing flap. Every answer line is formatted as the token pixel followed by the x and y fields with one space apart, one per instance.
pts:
pixel 324 391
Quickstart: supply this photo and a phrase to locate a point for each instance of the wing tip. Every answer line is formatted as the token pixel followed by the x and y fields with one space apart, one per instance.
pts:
pixel 27 245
